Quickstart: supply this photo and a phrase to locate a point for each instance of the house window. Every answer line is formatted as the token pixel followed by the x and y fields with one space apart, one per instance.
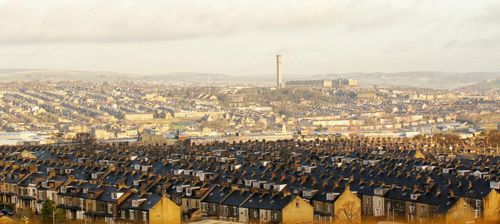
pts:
pixel 477 213
pixel 145 216
pixel 275 216
pixel 226 210
pixel 131 215
pixel 412 208
pixel 255 214
pixel 329 208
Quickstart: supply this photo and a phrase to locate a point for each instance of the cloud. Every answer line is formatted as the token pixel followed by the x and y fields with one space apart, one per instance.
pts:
pixel 477 43
pixel 489 16
pixel 314 35
pixel 26 22
pixel 136 21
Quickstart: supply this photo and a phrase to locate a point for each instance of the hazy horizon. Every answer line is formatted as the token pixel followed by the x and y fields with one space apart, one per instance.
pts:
pixel 242 37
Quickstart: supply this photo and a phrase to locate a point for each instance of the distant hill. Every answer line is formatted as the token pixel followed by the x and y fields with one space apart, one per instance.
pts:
pixel 422 79
pixel 7 75
pixel 197 78
pixel 484 86
pixel 58 75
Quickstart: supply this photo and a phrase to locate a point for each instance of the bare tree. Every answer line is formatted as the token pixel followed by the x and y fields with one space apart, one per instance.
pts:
pixel 84 138
pixel 349 213
pixel 57 138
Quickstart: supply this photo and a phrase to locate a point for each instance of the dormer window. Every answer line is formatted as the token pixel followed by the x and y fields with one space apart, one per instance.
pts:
pixel 306 194
pixel 137 202
pixel 331 196
pixel 146 168
pixel 267 186
pixel 96 175
pixel 256 184
pixel 248 183
pixel 495 185
pixel 378 191
pixel 414 196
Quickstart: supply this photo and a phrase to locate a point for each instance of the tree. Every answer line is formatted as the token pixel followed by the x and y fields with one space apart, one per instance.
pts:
pixel 51 214
pixel 84 138
pixel 349 213
pixel 419 137
pixel 58 138
pixel 446 139
pixel 494 138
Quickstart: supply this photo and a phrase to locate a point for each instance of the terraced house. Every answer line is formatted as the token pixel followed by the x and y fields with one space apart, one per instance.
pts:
pixel 340 180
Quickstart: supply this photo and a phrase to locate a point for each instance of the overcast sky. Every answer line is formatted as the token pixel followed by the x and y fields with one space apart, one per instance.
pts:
pixel 243 37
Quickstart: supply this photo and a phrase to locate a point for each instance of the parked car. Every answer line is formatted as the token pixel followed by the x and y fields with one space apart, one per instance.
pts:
pixel 7 211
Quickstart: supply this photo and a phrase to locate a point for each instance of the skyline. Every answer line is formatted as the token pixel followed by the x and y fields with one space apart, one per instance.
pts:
pixel 241 38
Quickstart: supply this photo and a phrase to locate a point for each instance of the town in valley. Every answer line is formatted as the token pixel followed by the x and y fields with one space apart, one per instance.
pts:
pixel 252 112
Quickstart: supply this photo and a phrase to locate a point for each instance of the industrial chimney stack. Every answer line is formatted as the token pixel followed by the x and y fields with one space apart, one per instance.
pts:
pixel 279 80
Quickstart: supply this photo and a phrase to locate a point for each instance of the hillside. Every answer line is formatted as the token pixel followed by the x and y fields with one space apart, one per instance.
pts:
pixel 484 86
pixel 421 79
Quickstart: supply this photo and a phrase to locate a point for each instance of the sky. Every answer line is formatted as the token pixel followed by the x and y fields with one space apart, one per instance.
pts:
pixel 242 37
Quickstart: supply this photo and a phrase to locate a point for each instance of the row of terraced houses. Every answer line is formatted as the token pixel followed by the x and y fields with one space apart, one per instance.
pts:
pixel 329 181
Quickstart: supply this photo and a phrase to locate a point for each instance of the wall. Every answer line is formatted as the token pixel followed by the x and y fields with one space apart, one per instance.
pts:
pixel 461 212
pixel 303 213
pixel 347 208
pixel 492 207
pixel 165 211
